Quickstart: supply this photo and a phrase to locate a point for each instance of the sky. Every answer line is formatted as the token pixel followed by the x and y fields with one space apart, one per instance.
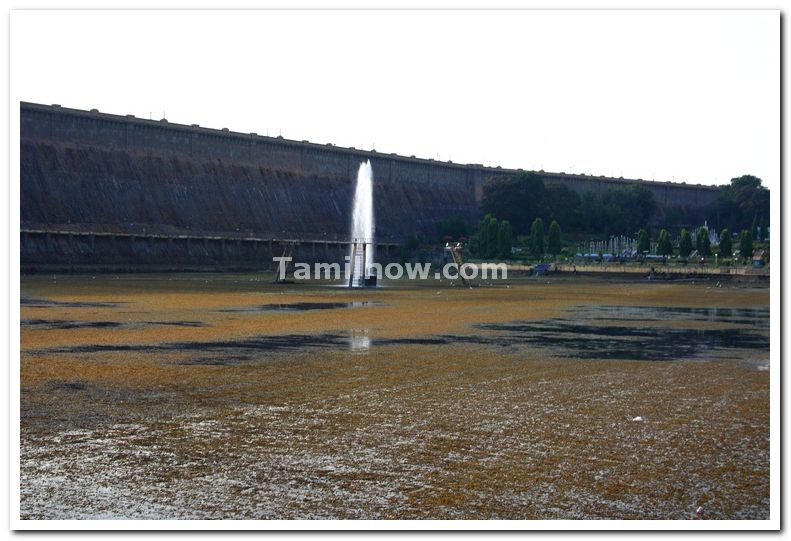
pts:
pixel 688 96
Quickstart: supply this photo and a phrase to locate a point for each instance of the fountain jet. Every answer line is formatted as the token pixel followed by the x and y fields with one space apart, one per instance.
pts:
pixel 361 255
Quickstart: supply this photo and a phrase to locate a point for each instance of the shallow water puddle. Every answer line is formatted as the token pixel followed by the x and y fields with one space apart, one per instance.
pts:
pixel 602 332
pixel 591 334
pixel 301 306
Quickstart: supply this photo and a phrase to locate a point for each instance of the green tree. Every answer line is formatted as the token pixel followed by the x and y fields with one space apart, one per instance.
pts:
pixel 476 242
pixel 553 241
pixel 537 238
pixel 664 245
pixel 746 244
pixel 685 244
pixel 505 239
pixel 482 240
pixel 491 238
pixel 625 208
pixel 764 230
pixel 738 204
pixel 643 242
pixel 703 243
pixel 726 249
pixel 561 204
pixel 514 198
pixel 589 216
pixel 453 226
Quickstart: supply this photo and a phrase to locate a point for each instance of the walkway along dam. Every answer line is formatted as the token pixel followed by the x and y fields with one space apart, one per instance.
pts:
pixel 104 191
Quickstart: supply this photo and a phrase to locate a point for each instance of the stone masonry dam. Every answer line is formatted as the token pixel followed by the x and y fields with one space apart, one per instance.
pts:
pixel 103 191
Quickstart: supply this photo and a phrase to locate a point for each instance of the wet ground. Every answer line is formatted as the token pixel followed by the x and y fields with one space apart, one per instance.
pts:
pixel 226 396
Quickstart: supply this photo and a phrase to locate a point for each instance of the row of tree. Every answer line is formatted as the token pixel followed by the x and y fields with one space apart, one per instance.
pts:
pixel 664 245
pixel 524 197
pixel 535 241
pixel 619 210
pixel 494 240
pixel 520 206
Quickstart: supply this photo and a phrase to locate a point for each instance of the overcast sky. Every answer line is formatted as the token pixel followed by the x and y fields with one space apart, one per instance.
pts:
pixel 665 95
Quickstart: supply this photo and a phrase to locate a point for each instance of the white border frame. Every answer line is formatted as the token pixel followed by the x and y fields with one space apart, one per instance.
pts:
pixel 773 523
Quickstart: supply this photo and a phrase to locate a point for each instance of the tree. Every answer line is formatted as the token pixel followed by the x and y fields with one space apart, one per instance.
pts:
pixel 514 198
pixel 554 242
pixel 685 244
pixel 453 226
pixel 537 238
pixel 764 230
pixel 561 204
pixel 726 249
pixel 624 209
pixel 664 245
pixel 491 237
pixel 589 214
pixel 505 239
pixel 740 203
pixel 476 242
pixel 643 242
pixel 703 243
pixel 746 244
pixel 482 240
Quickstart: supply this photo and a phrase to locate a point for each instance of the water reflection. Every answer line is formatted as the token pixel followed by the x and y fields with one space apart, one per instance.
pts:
pixel 359 341
pixel 742 316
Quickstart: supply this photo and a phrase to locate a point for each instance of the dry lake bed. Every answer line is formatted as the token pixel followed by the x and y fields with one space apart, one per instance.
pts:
pixel 209 396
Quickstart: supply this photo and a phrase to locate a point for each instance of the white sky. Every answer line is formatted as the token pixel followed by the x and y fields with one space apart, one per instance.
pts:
pixel 665 95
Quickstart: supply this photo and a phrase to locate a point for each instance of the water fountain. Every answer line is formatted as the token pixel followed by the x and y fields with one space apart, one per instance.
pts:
pixel 361 256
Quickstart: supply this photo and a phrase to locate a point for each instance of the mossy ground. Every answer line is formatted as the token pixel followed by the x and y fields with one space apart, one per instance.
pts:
pixel 376 431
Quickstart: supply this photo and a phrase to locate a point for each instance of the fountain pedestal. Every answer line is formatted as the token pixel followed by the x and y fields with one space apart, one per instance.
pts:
pixel 360 274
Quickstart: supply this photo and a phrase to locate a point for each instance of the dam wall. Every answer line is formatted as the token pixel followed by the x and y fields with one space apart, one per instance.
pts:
pixel 156 184
pixel 128 133
pixel 56 123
